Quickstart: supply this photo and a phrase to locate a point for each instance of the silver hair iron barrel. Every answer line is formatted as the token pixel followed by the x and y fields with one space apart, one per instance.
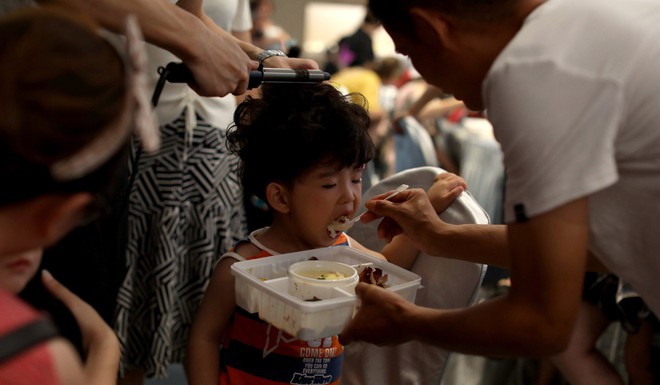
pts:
pixel 180 73
pixel 286 75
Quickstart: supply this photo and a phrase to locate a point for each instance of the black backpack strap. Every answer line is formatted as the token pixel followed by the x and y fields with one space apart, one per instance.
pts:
pixel 25 337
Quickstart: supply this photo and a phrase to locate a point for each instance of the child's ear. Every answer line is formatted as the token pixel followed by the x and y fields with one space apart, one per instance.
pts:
pixel 277 196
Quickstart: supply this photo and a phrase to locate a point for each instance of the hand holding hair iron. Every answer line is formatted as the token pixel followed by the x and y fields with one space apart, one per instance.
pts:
pixel 180 73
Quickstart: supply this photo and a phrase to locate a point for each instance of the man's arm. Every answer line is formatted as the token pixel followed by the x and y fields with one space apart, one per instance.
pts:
pixel 411 213
pixel 548 258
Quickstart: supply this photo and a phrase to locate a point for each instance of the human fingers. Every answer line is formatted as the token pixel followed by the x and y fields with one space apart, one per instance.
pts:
pixel 242 85
pixel 455 193
pixel 355 329
pixel 61 292
pixel 458 179
pixel 291 62
pixel 220 66
pixel 444 190
pixel 94 330
pixel 370 215
pixel 302 63
pixel 375 322
pixel 450 179
pixel 209 82
pixel 396 206
pixel 415 217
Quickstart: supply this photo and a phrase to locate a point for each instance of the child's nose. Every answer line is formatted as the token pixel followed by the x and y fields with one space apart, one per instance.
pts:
pixel 349 192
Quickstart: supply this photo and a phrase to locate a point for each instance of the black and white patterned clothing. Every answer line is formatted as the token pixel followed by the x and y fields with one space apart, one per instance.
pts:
pixel 185 210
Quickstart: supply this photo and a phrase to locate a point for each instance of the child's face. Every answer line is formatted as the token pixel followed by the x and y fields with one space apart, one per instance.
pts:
pixel 17 269
pixel 322 196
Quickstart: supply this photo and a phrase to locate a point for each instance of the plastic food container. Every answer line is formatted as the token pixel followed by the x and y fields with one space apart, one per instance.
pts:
pixel 262 286
pixel 320 280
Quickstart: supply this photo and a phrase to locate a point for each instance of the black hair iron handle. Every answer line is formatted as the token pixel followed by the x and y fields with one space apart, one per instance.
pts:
pixel 180 73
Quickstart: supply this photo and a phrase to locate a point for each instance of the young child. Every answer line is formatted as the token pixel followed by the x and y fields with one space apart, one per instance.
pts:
pixel 302 150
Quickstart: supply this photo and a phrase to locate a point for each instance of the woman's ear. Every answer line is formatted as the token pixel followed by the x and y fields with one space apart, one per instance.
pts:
pixel 277 196
pixel 60 214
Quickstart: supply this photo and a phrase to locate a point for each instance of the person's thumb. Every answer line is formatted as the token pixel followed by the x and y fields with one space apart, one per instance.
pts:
pixel 346 336
pixel 361 288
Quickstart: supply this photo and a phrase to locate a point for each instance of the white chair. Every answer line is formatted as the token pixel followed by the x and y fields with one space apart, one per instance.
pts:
pixel 414 146
pixel 447 283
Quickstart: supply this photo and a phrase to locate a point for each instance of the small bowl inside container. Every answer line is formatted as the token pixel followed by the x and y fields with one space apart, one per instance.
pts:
pixel 318 280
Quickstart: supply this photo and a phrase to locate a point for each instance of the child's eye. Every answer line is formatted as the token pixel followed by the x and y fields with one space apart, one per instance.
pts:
pixel 357 181
pixel 329 186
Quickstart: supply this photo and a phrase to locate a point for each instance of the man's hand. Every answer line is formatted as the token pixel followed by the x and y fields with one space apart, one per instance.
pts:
pixel 378 318
pixel 410 212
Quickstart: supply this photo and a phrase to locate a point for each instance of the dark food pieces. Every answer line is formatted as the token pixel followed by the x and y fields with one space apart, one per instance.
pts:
pixel 373 276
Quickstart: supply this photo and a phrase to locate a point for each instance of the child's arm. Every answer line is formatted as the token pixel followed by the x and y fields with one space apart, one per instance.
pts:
pixel 399 252
pixel 209 326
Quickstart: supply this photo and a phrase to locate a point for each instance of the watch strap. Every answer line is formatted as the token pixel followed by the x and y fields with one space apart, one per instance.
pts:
pixel 263 55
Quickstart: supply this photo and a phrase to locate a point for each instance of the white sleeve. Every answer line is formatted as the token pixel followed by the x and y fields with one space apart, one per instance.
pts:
pixel 243 18
pixel 557 129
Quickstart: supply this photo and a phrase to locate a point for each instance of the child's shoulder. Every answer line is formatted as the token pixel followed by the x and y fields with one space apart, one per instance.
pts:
pixel 247 250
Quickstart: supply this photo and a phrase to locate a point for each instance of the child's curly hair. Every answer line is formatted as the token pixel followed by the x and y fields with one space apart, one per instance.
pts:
pixel 294 128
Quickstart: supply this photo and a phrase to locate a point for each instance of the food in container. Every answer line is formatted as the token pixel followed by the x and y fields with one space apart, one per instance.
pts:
pixel 318 280
pixel 262 287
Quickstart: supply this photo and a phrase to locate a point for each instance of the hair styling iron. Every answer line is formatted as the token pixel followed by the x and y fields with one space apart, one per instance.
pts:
pixel 180 73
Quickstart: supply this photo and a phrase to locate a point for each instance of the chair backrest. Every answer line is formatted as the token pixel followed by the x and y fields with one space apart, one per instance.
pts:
pixel 414 146
pixel 447 283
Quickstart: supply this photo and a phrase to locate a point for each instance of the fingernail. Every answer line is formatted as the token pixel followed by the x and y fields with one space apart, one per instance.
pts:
pixel 46 274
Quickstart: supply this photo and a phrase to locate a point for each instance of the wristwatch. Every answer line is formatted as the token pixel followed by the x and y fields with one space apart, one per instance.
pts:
pixel 263 55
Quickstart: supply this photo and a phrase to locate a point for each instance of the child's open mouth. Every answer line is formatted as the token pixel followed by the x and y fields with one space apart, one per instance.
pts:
pixel 336 227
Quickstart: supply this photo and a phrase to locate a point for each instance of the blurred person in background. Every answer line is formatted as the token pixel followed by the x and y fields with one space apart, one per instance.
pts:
pixel 357 48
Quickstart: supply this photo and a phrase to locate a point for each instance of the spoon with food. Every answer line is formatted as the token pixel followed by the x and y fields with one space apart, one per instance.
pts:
pixel 343 223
